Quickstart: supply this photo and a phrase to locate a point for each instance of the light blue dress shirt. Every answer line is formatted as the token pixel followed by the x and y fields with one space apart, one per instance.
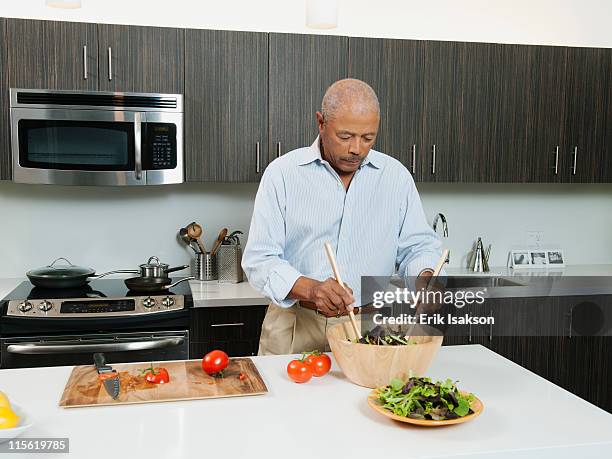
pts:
pixel 376 227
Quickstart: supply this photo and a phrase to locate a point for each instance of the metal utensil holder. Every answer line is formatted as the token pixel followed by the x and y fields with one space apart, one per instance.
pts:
pixel 229 259
pixel 205 268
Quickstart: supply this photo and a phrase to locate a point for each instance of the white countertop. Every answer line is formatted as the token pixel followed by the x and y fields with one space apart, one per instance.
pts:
pixel 213 293
pixel 503 271
pixel 525 416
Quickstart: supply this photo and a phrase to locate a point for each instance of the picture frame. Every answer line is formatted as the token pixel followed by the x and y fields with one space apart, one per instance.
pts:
pixel 520 259
pixel 556 258
pixel 538 258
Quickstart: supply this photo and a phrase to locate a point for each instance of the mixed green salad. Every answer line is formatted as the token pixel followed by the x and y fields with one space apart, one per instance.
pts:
pixel 384 337
pixel 420 398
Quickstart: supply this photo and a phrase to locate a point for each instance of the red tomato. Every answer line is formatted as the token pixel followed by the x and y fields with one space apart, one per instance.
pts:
pixel 299 371
pixel 157 375
pixel 215 362
pixel 319 363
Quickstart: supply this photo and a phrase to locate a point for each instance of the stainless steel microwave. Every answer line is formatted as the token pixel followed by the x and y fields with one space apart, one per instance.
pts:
pixel 96 138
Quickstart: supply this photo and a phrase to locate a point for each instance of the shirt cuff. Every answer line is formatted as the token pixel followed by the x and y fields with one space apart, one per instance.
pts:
pixel 280 283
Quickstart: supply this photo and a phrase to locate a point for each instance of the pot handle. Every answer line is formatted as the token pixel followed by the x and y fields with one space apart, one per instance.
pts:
pixel 58 259
pixel 121 271
pixel 176 268
pixel 168 287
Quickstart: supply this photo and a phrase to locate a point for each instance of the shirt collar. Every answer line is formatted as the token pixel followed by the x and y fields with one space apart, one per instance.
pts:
pixel 313 153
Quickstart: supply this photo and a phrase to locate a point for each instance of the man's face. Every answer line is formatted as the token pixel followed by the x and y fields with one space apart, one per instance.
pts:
pixel 347 138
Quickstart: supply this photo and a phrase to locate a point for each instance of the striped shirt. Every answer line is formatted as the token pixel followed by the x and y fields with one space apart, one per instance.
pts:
pixel 376 227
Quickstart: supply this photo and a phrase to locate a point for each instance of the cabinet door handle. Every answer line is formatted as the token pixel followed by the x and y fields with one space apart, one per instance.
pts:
pixel 575 160
pixel 257 158
pixel 413 159
pixel 237 324
pixel 110 64
pixel 556 166
pixel 84 62
pixel 433 161
pixel 491 328
pixel 278 149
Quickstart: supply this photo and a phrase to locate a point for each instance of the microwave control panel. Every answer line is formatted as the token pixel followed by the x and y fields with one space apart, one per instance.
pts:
pixel 159 141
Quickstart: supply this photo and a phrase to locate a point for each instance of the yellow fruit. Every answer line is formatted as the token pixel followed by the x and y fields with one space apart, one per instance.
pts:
pixel 4 401
pixel 8 418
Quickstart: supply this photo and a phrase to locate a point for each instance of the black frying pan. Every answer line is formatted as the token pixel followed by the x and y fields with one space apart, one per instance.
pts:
pixel 152 284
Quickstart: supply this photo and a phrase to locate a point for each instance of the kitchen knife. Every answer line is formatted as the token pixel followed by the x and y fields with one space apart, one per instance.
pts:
pixel 108 376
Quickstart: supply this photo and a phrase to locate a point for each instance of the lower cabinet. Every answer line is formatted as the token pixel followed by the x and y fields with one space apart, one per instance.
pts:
pixel 233 329
pixel 566 353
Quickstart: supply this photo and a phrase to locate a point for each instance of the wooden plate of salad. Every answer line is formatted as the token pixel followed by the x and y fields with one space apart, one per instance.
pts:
pixel 422 402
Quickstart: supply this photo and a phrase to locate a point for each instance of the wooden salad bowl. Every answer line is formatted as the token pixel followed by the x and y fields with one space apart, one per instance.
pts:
pixel 374 366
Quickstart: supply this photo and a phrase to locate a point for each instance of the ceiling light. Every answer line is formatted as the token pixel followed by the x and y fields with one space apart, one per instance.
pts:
pixel 322 14
pixel 65 4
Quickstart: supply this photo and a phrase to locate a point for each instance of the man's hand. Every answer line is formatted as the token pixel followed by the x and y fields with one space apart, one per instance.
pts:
pixel 327 298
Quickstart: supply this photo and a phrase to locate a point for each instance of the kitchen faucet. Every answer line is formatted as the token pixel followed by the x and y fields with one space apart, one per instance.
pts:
pixel 444 224
pixel 440 216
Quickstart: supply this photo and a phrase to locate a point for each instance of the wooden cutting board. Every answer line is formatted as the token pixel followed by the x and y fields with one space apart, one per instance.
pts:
pixel 187 382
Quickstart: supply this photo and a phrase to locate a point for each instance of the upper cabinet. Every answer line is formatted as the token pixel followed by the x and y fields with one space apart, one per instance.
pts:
pixel 584 151
pixel 400 92
pixel 5 152
pixel 226 105
pixel 141 59
pixel 83 56
pixel 301 68
pixel 52 55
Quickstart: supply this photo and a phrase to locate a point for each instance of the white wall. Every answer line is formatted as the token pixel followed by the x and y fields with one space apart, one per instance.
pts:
pixel 108 228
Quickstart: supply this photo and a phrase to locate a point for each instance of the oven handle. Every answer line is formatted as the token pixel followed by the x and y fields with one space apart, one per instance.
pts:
pixel 138 144
pixel 37 348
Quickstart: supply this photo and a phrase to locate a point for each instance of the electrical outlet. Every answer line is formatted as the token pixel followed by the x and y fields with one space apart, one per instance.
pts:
pixel 535 238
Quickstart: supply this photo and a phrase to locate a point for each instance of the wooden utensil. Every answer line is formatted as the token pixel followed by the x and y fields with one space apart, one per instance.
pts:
pixel 219 240
pixel 443 259
pixel 476 406
pixel 195 231
pixel 187 382
pixel 332 261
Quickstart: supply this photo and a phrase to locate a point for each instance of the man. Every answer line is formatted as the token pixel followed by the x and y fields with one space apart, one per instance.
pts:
pixel 341 191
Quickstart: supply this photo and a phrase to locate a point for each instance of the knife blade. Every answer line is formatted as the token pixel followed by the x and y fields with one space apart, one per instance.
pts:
pixel 108 376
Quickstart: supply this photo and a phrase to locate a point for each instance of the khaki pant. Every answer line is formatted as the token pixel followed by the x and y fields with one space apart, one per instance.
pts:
pixel 294 330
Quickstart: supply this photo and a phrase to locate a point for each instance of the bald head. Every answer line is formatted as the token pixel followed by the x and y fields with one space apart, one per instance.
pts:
pixel 349 95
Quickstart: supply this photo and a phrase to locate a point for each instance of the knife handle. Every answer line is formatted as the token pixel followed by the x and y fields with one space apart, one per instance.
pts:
pixel 99 359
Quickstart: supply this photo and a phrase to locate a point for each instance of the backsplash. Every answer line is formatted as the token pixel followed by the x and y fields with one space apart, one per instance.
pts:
pixel 111 228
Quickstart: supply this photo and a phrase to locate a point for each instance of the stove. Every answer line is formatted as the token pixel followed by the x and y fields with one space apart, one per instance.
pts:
pixel 49 327
pixel 100 298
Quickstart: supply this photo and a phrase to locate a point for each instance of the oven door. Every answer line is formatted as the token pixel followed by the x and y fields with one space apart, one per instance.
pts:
pixel 77 147
pixel 49 351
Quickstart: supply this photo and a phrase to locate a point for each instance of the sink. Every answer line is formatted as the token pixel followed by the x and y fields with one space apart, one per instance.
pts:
pixel 471 282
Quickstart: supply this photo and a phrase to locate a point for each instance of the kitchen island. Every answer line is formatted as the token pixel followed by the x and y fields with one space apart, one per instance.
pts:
pixel 525 416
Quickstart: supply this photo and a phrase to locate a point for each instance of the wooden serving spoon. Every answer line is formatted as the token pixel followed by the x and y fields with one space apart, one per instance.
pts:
pixel 195 231
pixel 443 259
pixel 332 261
pixel 219 240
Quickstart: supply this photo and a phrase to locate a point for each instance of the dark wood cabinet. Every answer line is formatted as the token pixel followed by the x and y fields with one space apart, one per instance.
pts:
pixel 141 59
pixel 5 148
pixel 226 105
pixel 586 114
pixel 301 68
pixel 233 329
pixel 52 55
pixel 395 70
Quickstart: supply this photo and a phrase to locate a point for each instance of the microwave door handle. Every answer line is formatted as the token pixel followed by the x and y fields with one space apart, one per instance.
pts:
pixel 138 144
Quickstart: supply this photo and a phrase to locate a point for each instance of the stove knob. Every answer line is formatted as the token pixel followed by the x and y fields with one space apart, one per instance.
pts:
pixel 148 302
pixel 168 301
pixel 45 306
pixel 25 306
